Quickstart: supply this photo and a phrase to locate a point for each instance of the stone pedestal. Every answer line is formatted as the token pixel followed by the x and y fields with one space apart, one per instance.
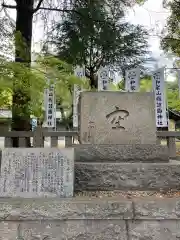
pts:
pixel 127 176
pixel 121 153
pixel 37 172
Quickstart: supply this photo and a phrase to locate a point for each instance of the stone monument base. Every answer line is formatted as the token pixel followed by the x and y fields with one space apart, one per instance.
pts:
pixel 121 153
pixel 127 176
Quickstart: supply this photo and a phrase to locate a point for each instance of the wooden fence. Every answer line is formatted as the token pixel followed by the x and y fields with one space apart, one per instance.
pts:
pixel 170 137
pixel 39 135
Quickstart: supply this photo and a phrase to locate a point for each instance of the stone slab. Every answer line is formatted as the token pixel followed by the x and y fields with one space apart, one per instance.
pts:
pixel 127 176
pixel 80 208
pixel 117 118
pixel 154 230
pixel 16 209
pixel 37 172
pixel 154 208
pixel 61 230
pixel 121 153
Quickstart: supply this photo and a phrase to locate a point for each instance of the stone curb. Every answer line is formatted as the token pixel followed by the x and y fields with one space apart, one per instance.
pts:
pixel 157 209
pixel 111 208
pixel 54 209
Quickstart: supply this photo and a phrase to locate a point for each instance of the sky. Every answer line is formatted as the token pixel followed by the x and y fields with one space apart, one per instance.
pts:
pixel 153 16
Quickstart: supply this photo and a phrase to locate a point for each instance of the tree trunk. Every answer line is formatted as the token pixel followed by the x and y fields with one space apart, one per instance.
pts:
pixel 93 79
pixel 21 95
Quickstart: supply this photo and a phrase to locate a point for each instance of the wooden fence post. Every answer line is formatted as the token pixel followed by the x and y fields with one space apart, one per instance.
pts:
pixel 171 142
pixel 54 141
pixel 68 141
pixel 22 142
pixel 158 140
pixel 8 142
pixel 38 138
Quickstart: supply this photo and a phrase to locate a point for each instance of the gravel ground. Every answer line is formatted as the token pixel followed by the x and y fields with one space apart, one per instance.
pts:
pixel 127 194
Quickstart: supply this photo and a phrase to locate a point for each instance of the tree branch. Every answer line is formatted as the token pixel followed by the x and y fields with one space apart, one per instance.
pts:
pixel 45 8
pixel 58 10
pixel 9 6
pixel 68 11
pixel 38 6
pixel 52 9
pixel 171 39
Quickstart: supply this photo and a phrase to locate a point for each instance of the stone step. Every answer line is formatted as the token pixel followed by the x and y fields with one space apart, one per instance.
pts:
pixel 127 176
pixel 121 153
pixel 92 219
pixel 147 205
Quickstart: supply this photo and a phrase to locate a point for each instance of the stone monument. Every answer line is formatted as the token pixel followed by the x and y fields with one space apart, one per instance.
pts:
pixel 118 127
pixel 119 150
pixel 37 172
pixel 117 118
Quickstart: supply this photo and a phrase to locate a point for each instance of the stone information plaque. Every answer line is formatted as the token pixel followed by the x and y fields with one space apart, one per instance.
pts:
pixel 117 118
pixel 37 172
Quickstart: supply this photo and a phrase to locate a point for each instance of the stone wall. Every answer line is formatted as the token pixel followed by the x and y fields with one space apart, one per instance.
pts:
pixel 91 219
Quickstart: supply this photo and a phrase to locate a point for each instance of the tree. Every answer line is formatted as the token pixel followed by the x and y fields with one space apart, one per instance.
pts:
pixel 60 72
pixel 145 84
pixel 109 41
pixel 171 35
pixel 172 91
pixel 25 10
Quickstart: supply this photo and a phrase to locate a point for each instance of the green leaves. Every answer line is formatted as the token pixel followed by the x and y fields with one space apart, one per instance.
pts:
pixel 171 35
pixel 33 81
pixel 95 34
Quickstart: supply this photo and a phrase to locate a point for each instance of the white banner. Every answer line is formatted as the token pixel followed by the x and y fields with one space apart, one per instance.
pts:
pixel 50 111
pixel 132 80
pixel 178 74
pixel 79 72
pixel 103 79
pixel 158 82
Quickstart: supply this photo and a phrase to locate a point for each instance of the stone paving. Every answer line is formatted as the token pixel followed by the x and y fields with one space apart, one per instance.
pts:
pixel 91 218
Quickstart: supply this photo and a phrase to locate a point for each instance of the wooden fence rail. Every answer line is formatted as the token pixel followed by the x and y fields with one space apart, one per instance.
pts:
pixel 39 134
pixel 38 137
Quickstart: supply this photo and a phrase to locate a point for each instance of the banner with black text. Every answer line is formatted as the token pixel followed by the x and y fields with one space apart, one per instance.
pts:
pixel 103 79
pixel 132 80
pixel 79 72
pixel 49 106
pixel 158 83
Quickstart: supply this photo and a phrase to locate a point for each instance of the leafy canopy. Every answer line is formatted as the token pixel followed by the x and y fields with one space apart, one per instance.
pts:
pixel 109 41
pixel 171 35
pixel 49 67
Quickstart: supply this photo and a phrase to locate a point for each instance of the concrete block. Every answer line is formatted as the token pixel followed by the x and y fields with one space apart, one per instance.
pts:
pixel 165 208
pixel 154 230
pixel 60 230
pixel 21 209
